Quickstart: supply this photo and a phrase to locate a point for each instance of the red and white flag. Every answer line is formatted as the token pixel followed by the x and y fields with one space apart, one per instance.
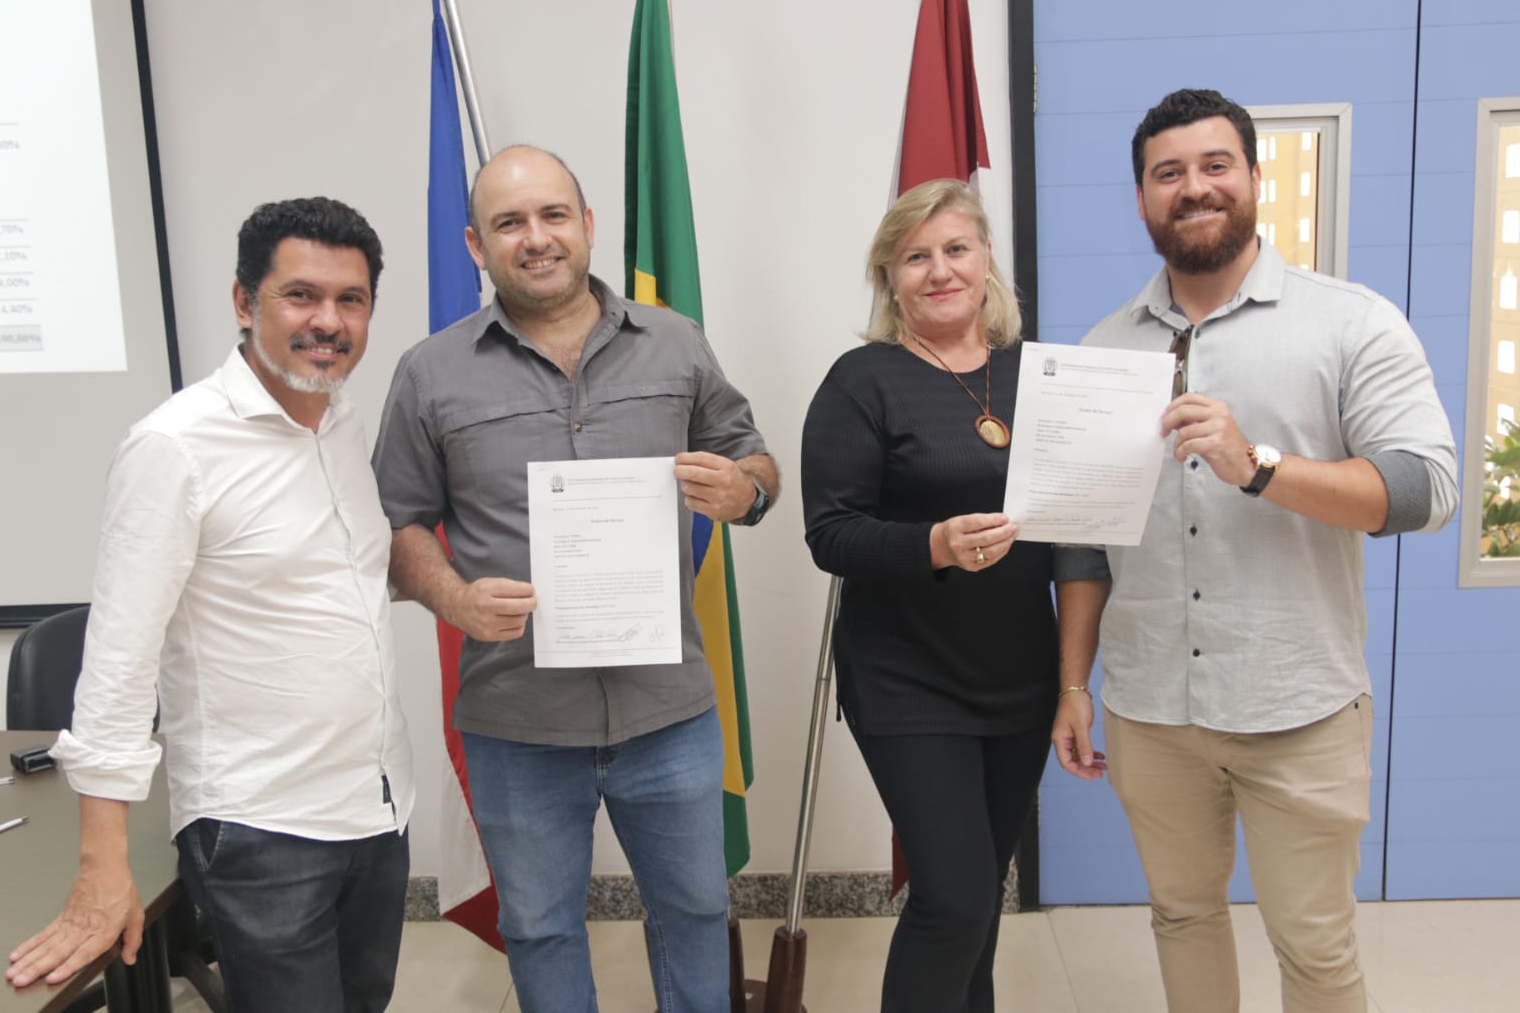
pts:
pixel 943 138
pixel 465 893
pixel 942 135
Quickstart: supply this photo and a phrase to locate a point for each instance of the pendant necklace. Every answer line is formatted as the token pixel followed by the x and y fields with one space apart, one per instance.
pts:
pixel 993 430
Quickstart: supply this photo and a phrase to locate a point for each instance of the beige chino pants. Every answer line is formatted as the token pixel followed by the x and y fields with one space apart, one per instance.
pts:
pixel 1302 799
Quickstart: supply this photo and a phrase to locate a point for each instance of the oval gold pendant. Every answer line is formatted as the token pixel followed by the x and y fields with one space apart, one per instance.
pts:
pixel 993 431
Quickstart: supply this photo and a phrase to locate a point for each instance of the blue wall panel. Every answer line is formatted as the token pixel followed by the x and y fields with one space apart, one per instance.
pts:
pixel 1101 64
pixel 1179 24
pixel 1445 339
pixel 1454 800
pixel 1379 206
pixel 1447 689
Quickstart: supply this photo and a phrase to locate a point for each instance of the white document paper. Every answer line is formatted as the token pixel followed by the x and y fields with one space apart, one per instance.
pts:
pixel 1087 443
pixel 606 562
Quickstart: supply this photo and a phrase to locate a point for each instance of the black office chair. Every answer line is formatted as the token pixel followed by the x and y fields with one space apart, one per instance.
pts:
pixel 39 696
pixel 45 663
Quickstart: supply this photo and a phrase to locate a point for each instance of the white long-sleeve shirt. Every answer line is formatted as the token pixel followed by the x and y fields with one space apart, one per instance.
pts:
pixel 242 570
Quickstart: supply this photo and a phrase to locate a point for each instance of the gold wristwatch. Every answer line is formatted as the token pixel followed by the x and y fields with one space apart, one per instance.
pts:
pixel 1266 460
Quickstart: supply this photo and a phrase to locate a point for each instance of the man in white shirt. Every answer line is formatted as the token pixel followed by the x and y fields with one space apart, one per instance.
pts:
pixel 1304 417
pixel 242 571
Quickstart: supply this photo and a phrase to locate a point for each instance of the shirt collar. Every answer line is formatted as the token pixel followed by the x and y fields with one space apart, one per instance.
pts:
pixel 616 313
pixel 249 398
pixel 1263 283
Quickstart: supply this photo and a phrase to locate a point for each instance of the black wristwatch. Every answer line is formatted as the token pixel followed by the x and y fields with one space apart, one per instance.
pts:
pixel 758 508
pixel 1266 460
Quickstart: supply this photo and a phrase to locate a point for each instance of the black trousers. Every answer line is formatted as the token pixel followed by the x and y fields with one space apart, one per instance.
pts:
pixel 958 804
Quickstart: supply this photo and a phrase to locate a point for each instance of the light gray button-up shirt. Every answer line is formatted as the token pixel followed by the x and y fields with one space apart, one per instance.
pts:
pixel 1234 613
pixel 469 408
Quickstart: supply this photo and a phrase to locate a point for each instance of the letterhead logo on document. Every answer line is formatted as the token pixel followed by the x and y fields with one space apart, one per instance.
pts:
pixel 556 482
pixel 1050 365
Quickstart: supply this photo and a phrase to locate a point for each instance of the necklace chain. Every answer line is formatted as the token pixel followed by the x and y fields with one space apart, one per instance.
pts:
pixel 985 407
pixel 992 430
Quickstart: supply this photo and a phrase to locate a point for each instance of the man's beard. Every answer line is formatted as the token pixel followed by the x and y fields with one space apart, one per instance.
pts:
pixel 518 297
pixel 1209 252
pixel 321 383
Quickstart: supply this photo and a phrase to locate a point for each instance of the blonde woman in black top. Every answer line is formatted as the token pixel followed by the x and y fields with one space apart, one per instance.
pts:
pixel 945 644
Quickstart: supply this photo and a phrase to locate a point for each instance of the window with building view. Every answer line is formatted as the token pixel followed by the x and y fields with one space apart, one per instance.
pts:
pixel 1491 479
pixel 1303 152
pixel 1287 209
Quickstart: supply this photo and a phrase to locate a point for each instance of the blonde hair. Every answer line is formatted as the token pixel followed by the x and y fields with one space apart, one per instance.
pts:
pixel 1000 308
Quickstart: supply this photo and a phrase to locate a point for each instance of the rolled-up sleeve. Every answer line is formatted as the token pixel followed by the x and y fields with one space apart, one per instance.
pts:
pixel 1080 562
pixel 148 543
pixel 1392 416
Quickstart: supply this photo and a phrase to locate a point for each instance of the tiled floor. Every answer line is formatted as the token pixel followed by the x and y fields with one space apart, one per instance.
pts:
pixel 1432 957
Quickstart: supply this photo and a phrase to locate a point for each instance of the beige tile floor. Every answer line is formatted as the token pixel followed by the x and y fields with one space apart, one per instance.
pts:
pixel 1427 957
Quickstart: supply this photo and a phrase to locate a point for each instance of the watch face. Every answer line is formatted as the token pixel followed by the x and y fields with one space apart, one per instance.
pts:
pixel 1268 455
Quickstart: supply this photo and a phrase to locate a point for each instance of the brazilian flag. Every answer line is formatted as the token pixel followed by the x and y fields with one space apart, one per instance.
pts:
pixel 660 253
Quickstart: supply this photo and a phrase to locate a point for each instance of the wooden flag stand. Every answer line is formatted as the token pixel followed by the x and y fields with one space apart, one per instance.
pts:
pixel 788 962
pixel 781 992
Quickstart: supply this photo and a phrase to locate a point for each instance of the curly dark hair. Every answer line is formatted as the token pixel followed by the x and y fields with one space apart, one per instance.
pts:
pixel 320 219
pixel 1189 105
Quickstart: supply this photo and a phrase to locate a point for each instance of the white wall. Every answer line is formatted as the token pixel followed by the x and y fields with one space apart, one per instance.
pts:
pixel 792 113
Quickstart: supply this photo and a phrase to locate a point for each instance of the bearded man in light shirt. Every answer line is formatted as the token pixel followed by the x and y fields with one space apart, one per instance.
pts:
pixel 1304 416
pixel 242 571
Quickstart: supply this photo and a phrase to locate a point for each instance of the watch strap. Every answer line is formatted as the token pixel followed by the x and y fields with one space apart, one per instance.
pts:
pixel 758 508
pixel 1264 473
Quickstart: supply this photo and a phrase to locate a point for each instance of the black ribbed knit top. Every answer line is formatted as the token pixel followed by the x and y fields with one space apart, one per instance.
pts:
pixel 888 449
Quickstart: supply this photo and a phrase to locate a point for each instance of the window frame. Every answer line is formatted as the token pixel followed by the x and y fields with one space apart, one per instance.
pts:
pixel 1332 204
pixel 1476 570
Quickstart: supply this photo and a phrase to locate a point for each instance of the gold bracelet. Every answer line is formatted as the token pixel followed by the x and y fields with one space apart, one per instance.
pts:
pixel 1074 689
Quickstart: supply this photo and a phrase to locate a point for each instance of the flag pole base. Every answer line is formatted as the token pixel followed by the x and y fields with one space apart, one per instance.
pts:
pixel 782 992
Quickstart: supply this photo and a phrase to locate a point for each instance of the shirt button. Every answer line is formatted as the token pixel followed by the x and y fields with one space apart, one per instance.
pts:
pixel 1196 596
pixel 1193 530
pixel 1193 464
pixel 575 427
pixel 1196 652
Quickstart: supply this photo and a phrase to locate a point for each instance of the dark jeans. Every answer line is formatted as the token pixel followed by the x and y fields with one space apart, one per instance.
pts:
pixel 958 804
pixel 298 924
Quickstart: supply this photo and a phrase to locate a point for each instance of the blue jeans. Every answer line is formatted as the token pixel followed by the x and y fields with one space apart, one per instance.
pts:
pixel 535 805
pixel 298 924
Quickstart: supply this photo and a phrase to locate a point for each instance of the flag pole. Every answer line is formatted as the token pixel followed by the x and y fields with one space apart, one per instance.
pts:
pixel 783 980
pixel 466 80
pixel 814 762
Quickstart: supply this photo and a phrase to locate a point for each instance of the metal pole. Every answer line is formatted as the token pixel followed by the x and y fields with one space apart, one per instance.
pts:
pixel 814 759
pixel 1023 91
pixel 781 992
pixel 466 80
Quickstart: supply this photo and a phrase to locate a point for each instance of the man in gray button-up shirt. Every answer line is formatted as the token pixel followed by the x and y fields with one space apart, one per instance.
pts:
pixel 558 367
pixel 1305 416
